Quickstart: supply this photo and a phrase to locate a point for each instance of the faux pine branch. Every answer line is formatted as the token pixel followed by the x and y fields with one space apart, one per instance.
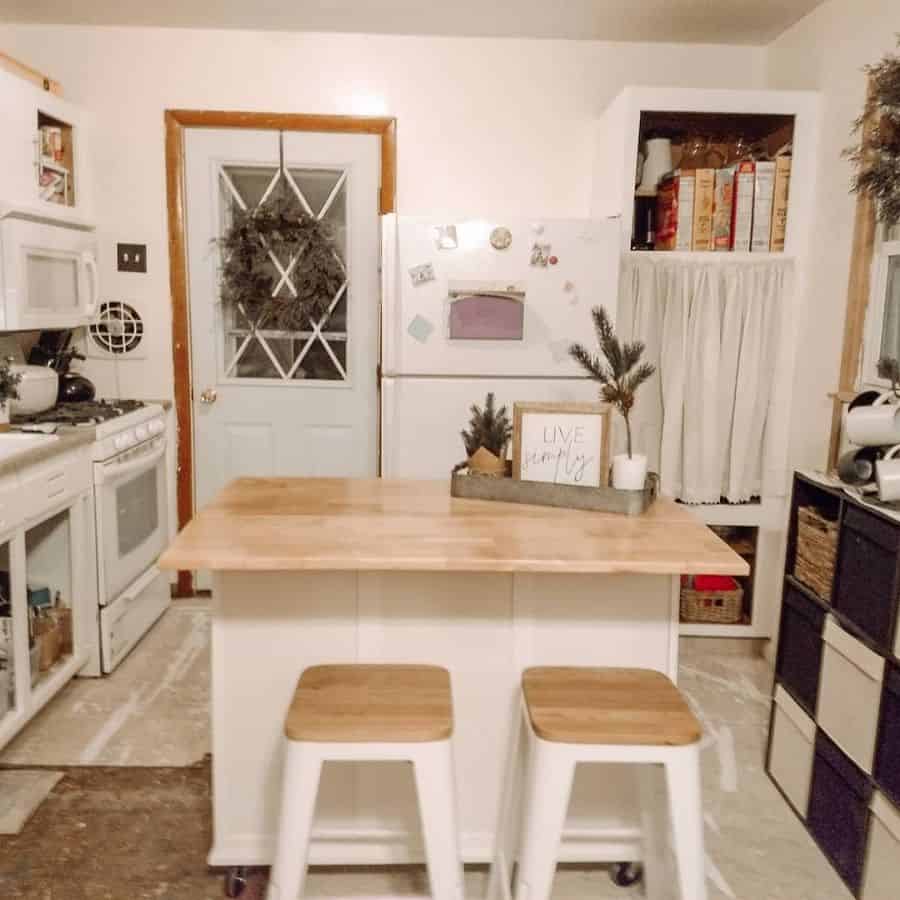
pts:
pixel 618 367
pixel 889 369
pixel 489 428
pixel 9 383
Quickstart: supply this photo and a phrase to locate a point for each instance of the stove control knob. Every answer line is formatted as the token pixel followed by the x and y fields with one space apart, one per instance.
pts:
pixel 156 426
pixel 140 433
pixel 126 439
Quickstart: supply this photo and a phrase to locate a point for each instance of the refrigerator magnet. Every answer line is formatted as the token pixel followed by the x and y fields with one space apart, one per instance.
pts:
pixel 420 329
pixel 540 254
pixel 501 238
pixel 421 274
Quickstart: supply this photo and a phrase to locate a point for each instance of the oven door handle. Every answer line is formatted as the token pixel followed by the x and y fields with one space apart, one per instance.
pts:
pixel 117 471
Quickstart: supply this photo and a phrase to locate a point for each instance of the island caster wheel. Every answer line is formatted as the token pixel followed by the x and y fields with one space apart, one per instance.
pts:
pixel 235 881
pixel 626 874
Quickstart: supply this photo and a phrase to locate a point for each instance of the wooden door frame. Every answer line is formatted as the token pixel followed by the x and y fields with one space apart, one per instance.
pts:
pixel 177 120
pixel 859 286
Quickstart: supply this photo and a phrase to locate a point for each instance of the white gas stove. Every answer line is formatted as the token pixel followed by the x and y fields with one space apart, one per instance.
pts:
pixel 131 515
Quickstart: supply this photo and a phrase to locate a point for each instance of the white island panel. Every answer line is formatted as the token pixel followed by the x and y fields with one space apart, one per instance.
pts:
pixel 485 628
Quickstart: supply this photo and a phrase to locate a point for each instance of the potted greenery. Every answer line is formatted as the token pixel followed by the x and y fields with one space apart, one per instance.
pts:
pixel 9 390
pixel 487 438
pixel 620 372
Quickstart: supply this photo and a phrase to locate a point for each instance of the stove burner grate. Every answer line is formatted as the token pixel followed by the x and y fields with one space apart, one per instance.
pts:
pixel 86 412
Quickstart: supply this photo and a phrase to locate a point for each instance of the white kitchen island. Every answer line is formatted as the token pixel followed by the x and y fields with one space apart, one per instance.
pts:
pixel 309 571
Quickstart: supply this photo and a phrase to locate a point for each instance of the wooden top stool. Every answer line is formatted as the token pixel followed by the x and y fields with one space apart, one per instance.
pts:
pixel 572 705
pixel 361 703
pixel 368 713
pixel 607 715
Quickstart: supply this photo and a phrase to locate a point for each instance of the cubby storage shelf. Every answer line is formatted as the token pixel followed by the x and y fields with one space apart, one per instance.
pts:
pixel 764 520
pixel 832 655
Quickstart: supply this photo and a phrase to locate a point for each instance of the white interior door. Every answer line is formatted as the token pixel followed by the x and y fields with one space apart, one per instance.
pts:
pixel 270 402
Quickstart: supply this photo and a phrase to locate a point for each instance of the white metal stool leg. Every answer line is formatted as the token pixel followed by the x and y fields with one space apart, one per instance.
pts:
pixel 302 768
pixel 653 819
pixel 686 812
pixel 436 789
pixel 506 840
pixel 548 787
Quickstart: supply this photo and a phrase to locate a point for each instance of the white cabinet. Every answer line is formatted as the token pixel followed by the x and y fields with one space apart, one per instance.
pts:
pixel 45 152
pixel 756 532
pixel 48 620
pixel 770 120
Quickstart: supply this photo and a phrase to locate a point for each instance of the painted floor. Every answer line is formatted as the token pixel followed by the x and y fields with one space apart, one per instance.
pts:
pixel 136 833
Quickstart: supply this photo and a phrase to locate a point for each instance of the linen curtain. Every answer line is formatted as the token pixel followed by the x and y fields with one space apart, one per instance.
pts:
pixel 714 419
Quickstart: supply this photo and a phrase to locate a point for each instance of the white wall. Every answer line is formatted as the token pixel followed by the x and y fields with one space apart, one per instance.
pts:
pixel 485 126
pixel 826 51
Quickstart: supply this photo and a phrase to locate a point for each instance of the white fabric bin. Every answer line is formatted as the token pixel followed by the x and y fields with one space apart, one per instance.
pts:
pixel 881 878
pixel 791 754
pixel 850 694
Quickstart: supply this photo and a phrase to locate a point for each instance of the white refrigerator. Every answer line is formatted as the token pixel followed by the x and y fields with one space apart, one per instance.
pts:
pixel 482 306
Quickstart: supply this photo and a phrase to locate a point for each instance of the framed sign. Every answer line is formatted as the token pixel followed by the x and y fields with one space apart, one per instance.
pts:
pixel 562 443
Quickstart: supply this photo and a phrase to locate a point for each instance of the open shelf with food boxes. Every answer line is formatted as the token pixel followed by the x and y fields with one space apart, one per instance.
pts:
pixel 700 169
pixel 47 583
pixel 647 133
pixel 45 145
pixel 55 160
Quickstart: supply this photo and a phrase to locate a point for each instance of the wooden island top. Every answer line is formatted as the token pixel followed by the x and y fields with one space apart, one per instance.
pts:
pixel 322 524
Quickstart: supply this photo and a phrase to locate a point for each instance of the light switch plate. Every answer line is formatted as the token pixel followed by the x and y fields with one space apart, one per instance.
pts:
pixel 131 257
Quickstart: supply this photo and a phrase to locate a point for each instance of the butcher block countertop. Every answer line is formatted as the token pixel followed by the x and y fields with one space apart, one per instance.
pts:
pixel 284 524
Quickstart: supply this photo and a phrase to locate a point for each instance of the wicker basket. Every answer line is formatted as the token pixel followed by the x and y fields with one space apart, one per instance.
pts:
pixel 720 607
pixel 817 540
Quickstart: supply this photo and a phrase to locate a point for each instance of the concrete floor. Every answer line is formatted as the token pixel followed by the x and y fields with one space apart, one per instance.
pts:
pixel 153 712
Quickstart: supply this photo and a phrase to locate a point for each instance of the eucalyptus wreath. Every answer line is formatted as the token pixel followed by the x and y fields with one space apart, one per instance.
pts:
pixel 877 154
pixel 248 276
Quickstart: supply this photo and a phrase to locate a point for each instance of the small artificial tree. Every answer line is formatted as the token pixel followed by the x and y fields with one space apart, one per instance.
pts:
pixel 9 383
pixel 489 428
pixel 618 367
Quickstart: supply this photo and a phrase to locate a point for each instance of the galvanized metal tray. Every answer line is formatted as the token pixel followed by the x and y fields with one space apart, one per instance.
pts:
pixel 473 486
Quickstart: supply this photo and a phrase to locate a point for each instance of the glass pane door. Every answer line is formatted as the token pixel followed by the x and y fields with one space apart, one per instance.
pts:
pixel 255 347
pixel 7 640
pixel 48 584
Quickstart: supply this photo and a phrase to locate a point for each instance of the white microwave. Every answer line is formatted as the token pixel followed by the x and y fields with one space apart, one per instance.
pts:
pixel 48 274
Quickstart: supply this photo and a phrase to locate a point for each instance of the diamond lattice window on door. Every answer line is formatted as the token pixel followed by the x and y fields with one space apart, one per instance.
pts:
pixel 314 353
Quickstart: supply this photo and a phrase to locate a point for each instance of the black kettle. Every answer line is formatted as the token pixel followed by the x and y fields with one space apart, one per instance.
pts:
pixel 75 388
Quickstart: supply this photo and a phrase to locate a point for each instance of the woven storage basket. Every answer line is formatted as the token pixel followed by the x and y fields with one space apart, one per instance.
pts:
pixel 817 540
pixel 721 607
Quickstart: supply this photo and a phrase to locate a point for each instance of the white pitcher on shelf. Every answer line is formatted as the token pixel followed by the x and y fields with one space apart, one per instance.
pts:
pixel 658 161
pixel 875 425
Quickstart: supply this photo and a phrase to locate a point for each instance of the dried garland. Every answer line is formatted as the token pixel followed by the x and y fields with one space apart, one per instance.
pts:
pixel 249 277
pixel 877 155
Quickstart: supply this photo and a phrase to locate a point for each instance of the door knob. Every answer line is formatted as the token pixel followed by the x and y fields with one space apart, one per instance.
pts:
pixel 209 396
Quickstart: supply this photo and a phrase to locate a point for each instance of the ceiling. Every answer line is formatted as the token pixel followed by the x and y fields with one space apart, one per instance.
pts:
pixel 701 21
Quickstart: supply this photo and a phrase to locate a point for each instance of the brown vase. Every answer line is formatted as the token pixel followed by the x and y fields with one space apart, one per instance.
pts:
pixel 484 462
